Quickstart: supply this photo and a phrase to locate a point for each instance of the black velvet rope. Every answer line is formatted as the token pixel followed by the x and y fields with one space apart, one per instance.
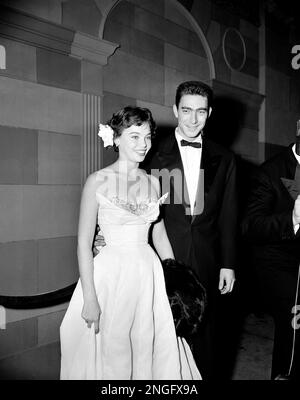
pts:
pixel 39 300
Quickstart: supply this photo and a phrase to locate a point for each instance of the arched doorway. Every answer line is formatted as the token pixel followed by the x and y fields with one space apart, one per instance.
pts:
pixel 161 45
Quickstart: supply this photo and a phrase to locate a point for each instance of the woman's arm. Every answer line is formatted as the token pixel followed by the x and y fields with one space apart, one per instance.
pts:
pixel 161 241
pixel 86 228
pixel 159 234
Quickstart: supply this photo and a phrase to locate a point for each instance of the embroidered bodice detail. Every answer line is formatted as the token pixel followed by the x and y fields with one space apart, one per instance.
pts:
pixel 137 208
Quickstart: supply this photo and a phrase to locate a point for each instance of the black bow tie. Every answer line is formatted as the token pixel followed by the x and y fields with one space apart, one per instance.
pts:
pixel 193 144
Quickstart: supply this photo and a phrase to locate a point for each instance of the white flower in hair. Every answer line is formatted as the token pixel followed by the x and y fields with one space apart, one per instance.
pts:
pixel 107 135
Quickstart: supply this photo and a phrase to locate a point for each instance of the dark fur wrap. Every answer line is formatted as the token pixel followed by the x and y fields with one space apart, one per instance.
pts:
pixel 186 295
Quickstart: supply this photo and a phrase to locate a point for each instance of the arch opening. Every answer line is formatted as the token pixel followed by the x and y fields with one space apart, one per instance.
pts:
pixel 189 17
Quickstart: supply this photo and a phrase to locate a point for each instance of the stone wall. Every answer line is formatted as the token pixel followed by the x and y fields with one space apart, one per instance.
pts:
pixel 69 65
pixel 49 108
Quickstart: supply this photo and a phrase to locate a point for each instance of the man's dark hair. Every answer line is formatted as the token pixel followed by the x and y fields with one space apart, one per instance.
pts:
pixel 194 87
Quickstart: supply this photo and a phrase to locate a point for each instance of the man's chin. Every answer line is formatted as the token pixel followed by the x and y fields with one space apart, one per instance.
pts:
pixel 193 133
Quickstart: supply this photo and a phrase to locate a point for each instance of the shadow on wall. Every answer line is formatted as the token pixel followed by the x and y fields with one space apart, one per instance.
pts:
pixel 226 120
pixel 224 127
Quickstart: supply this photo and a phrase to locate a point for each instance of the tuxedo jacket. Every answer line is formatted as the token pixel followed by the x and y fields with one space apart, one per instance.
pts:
pixel 206 240
pixel 268 219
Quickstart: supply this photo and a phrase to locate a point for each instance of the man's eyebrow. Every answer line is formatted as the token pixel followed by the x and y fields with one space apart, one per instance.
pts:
pixel 197 109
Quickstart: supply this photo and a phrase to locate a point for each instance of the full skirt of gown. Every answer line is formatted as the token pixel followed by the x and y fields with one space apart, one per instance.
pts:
pixel 137 337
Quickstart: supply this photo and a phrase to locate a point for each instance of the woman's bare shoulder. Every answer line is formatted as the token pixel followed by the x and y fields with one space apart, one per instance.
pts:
pixel 98 178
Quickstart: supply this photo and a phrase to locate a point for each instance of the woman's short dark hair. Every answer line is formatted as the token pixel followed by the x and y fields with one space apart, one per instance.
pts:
pixel 194 87
pixel 131 115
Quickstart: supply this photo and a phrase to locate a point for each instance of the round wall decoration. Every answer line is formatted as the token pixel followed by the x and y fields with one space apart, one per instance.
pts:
pixel 234 49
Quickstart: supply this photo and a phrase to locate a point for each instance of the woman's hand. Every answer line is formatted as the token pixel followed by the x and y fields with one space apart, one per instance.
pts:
pixel 98 242
pixel 91 312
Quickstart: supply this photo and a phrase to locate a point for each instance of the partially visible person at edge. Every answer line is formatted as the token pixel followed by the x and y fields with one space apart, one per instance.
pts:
pixel 271 226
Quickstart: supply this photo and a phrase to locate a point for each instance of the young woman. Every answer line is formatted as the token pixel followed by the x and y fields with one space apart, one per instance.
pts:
pixel 119 324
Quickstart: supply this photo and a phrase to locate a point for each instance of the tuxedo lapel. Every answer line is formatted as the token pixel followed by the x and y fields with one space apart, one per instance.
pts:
pixel 291 178
pixel 210 162
pixel 170 159
pixel 290 163
pixel 200 195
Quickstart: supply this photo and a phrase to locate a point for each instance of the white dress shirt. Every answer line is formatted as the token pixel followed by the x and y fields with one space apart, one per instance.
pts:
pixel 296 227
pixel 191 159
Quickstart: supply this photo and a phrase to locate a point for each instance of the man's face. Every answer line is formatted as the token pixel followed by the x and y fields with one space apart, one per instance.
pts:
pixel 192 114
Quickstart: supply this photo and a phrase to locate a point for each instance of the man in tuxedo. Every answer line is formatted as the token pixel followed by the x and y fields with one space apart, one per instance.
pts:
pixel 200 216
pixel 271 225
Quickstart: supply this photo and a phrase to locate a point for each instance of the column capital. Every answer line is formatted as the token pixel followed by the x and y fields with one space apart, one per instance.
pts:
pixel 90 48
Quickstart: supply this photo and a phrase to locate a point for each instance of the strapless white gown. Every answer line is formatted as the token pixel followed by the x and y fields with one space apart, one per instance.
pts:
pixel 137 338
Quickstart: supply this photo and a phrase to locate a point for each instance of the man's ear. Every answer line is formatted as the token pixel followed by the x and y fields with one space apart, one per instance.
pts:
pixel 209 111
pixel 175 110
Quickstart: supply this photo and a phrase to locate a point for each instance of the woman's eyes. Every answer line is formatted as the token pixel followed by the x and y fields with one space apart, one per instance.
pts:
pixel 137 137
